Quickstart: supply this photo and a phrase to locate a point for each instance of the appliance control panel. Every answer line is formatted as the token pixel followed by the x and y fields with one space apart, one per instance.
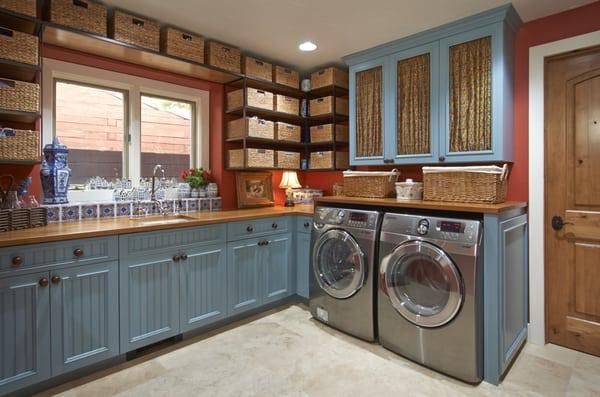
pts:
pixel 346 217
pixel 458 230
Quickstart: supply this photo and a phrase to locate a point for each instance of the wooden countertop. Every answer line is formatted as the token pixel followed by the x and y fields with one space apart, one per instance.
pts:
pixel 427 205
pixel 123 225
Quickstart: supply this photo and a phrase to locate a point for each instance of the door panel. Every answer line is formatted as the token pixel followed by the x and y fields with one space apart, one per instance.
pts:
pixel 572 118
pixel 243 261
pixel 277 274
pixel 85 316
pixel 302 264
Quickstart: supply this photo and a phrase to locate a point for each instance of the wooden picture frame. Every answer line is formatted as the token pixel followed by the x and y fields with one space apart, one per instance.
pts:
pixel 254 189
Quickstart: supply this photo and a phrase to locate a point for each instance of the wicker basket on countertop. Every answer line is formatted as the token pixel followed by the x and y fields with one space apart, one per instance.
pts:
pixel 135 30
pixel 18 47
pixel 19 95
pixel 374 184
pixel 88 16
pixel 477 184
pixel 182 44
pixel 25 7
pixel 250 127
pixel 19 145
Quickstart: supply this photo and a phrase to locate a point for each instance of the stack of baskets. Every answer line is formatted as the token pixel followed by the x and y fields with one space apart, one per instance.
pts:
pixel 23 218
pixel 370 184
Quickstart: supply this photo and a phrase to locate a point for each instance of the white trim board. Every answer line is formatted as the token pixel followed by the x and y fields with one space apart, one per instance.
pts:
pixel 537 55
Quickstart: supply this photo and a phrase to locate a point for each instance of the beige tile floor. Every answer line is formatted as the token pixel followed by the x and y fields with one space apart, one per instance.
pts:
pixel 286 353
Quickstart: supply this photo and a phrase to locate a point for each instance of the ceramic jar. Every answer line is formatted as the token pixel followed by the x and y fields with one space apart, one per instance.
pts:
pixel 55 173
pixel 409 190
pixel 212 190
pixel 184 190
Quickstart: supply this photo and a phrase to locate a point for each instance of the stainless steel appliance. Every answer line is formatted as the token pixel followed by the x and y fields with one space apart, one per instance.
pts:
pixel 430 292
pixel 342 284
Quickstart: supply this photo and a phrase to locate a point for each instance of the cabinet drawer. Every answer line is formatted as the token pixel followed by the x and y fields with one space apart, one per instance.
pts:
pixel 303 224
pixel 257 228
pixel 59 253
pixel 138 244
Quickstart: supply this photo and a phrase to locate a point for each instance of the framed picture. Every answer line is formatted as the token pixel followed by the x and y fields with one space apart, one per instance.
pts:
pixel 254 189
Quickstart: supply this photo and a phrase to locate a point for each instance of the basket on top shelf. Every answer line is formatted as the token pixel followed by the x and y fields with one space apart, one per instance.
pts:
pixel 19 145
pixel 85 15
pixel 374 184
pixel 182 44
pixel 135 30
pixel 25 7
pixel 477 184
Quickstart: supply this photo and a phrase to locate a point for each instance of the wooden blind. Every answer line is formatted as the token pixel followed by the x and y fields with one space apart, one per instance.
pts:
pixel 369 111
pixel 413 105
pixel 471 96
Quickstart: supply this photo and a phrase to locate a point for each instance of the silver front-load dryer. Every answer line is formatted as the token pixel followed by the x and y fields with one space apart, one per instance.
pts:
pixel 430 292
pixel 342 282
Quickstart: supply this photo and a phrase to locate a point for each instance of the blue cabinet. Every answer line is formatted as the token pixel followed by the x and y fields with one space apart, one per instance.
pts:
pixel 444 95
pixel 85 317
pixel 302 255
pixel 277 274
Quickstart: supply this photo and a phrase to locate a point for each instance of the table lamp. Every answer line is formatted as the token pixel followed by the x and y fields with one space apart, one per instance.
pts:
pixel 289 181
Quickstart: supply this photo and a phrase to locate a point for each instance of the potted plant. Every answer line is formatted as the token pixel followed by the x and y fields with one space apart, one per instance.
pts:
pixel 197 178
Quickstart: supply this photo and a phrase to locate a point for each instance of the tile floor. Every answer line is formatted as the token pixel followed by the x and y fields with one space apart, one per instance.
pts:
pixel 286 353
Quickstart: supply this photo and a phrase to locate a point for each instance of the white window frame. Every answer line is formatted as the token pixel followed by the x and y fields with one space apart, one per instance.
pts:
pixel 135 87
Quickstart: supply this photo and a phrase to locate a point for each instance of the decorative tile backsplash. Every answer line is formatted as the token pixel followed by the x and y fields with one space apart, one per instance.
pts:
pixel 74 212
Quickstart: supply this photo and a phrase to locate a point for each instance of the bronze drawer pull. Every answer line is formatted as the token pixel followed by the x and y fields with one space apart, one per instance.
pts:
pixel 184 257
pixel 78 252
pixel 249 229
pixel 55 280
pixel 274 226
pixel 43 282
pixel 17 261
pixel 176 258
pixel 306 224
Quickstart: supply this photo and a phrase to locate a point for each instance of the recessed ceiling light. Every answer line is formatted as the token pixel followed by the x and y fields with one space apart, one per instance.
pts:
pixel 307 46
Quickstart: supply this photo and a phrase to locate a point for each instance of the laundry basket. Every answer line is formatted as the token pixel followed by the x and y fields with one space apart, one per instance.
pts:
pixel 370 183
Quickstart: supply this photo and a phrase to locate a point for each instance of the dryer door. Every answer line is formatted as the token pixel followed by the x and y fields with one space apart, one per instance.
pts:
pixel 339 264
pixel 423 284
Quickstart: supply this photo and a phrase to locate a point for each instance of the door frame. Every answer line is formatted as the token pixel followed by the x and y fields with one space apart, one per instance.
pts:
pixel 537 57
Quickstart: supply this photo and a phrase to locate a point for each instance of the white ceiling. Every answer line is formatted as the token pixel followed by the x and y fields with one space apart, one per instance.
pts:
pixel 274 28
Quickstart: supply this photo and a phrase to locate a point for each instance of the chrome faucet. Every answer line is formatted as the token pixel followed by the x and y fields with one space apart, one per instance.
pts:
pixel 156 202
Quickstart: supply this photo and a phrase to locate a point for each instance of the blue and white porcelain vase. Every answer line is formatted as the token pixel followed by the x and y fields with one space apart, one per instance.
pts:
pixel 55 173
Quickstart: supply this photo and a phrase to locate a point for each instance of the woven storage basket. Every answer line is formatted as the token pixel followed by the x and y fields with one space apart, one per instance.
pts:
pixel 286 76
pixel 223 56
pixel 251 158
pixel 254 98
pixel 286 104
pixel 324 133
pixel 251 127
pixel 325 160
pixel 19 145
pixel 19 47
pixel 485 184
pixel 135 30
pixel 288 160
pixel 370 184
pixel 258 69
pixel 85 15
pixel 25 7
pixel 288 132
pixel 182 44
pixel 329 77
pixel 19 95
pixel 324 105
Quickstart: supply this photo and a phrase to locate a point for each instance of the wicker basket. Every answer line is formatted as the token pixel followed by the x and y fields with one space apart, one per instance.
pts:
pixel 286 76
pixel 288 132
pixel 288 160
pixel 258 69
pixel 25 7
pixel 328 160
pixel 324 133
pixel 370 184
pixel 181 44
pixel 19 95
pixel 85 15
pixel 223 56
pixel 19 47
pixel 254 98
pixel 324 105
pixel 250 127
pixel 329 77
pixel 135 30
pixel 19 145
pixel 286 104
pixel 250 158
pixel 485 184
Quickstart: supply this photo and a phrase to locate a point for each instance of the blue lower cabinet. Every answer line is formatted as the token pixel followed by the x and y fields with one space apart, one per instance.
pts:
pixel 243 275
pixel 276 261
pixel 302 263
pixel 24 331
pixel 203 287
pixel 85 317
pixel 149 300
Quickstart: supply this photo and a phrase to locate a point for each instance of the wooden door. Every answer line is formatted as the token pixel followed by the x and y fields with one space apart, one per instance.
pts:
pixel 572 130
pixel 243 261
pixel 276 263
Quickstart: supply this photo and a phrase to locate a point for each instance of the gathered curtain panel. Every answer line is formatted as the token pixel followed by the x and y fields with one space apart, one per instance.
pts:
pixel 471 96
pixel 413 105
pixel 369 103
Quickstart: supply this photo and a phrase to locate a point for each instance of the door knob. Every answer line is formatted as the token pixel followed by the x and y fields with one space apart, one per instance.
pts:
pixel 558 223
pixel 249 229
pixel 17 261
pixel 78 252
pixel 55 280
pixel 274 226
pixel 184 257
pixel 43 282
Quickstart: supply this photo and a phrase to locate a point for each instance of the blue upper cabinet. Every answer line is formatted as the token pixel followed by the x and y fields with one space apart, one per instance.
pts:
pixel 443 95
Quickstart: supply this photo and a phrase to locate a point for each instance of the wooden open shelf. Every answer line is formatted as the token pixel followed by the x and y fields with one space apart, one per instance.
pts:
pixel 18 71
pixel 20 162
pixel 20 22
pixel 18 117
pixel 270 142
pixel 266 85
pixel 267 114
pixel 327 91
pixel 327 118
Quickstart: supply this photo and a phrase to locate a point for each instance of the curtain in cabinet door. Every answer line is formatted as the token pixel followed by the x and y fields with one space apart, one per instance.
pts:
pixel 413 105
pixel 369 111
pixel 471 96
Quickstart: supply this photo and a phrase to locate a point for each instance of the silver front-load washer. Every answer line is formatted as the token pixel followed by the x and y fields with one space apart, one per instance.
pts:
pixel 430 292
pixel 343 276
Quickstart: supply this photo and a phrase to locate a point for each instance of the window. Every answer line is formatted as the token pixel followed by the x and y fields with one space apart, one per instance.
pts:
pixel 121 126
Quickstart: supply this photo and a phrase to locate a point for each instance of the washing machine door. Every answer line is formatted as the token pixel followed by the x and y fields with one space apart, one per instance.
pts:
pixel 339 264
pixel 423 283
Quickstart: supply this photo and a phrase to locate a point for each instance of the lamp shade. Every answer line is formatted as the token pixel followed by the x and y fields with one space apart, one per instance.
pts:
pixel 289 180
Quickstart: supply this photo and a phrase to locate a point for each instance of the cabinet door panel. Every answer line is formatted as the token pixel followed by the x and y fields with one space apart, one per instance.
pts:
pixel 243 261
pixel 302 264
pixel 203 288
pixel 276 270
pixel 85 316
pixel 24 331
